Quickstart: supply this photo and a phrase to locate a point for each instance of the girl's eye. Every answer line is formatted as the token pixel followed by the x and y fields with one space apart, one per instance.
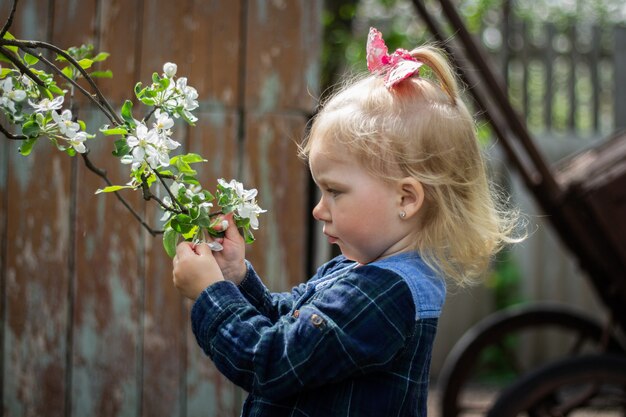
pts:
pixel 333 192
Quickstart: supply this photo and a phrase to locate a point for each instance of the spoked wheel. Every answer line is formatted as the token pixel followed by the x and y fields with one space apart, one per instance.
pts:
pixel 593 385
pixel 496 352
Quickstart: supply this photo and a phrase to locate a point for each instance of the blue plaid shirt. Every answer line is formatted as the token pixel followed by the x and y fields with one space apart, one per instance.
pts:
pixel 355 340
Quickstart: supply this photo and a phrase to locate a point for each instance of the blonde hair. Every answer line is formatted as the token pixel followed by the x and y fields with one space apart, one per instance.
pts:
pixel 421 128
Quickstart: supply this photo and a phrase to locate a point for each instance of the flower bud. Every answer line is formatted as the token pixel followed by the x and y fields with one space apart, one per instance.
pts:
pixel 169 69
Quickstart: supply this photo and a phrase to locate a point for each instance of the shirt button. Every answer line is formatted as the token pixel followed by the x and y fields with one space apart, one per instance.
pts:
pixel 296 314
pixel 317 320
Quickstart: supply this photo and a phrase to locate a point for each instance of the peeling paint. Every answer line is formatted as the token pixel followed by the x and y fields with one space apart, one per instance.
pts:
pixel 22 168
pixel 270 92
pixel 275 266
pixel 62 228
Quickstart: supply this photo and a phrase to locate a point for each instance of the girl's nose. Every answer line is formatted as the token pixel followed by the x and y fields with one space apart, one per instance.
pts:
pixel 320 212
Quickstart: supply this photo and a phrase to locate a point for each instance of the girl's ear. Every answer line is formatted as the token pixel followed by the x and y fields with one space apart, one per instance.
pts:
pixel 411 196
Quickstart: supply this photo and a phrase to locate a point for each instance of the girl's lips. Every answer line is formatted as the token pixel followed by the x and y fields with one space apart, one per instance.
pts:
pixel 331 239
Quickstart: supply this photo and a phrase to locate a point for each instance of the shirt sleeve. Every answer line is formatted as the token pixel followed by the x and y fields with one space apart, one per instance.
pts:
pixel 271 305
pixel 356 325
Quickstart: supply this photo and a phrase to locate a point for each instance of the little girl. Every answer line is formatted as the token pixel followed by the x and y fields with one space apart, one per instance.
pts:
pixel 405 196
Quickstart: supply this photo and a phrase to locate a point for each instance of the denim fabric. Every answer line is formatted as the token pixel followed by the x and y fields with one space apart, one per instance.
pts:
pixel 355 340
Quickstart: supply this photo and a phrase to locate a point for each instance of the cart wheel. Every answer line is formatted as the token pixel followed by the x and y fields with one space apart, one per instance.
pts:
pixel 581 385
pixel 494 353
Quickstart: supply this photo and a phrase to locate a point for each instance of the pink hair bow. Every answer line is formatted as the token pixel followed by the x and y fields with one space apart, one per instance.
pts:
pixel 395 67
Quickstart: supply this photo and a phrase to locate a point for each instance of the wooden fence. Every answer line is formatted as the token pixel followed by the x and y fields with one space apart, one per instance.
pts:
pixel 90 324
pixel 561 76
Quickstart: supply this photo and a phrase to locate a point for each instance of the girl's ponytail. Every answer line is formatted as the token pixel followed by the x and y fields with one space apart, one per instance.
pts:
pixel 436 60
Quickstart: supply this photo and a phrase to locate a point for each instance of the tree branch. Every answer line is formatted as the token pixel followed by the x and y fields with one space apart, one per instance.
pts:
pixel 102 174
pixel 172 196
pixel 18 63
pixel 71 60
pixel 80 88
pixel 147 195
pixel 9 21
pixel 10 135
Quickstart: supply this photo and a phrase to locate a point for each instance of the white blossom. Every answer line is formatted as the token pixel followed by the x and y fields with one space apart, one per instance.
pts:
pixel 67 127
pixel 163 122
pixel 77 142
pixel 169 69
pixel 10 96
pixel 245 202
pixel 47 105
pixel 189 93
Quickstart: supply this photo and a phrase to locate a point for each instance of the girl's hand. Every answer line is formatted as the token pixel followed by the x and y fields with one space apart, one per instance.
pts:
pixel 231 259
pixel 194 269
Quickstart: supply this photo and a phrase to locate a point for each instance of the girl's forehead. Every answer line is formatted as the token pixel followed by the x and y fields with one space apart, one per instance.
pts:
pixel 328 149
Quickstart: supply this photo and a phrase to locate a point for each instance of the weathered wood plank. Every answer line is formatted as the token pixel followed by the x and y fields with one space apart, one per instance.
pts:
pixel 214 51
pixel 36 282
pixel 272 164
pixel 207 391
pixel 164 321
pixel 120 35
pixel 282 71
pixel 109 290
pixel 37 237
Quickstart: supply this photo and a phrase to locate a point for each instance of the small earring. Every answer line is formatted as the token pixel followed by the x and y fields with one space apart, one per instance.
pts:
pixel 402 214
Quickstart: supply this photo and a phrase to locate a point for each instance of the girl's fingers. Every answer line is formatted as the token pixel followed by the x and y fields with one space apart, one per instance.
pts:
pixel 231 232
pixel 184 249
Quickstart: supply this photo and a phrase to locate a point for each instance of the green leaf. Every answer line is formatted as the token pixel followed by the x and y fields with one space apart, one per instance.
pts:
pixel 30 59
pixel 31 129
pixel 27 146
pixel 155 78
pixel 127 112
pixel 166 173
pixel 113 131
pixel 101 57
pixel 7 35
pixel 170 240
pixel 182 223
pixel 190 179
pixel 121 148
pixel 5 71
pixel 85 63
pixel 56 90
pixel 182 166
pixel 102 74
pixel 68 72
pixel 138 88
pixel 192 158
pixel 248 236
pixel 191 233
pixel 113 188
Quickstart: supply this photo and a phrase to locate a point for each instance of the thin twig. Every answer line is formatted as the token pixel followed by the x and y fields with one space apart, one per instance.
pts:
pixel 10 135
pixel 9 21
pixel 147 195
pixel 102 174
pixel 172 196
